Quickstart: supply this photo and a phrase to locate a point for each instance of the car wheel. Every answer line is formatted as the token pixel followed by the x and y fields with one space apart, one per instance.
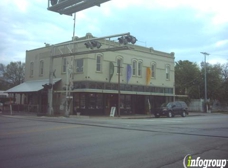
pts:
pixel 169 114
pixel 183 114
pixel 157 115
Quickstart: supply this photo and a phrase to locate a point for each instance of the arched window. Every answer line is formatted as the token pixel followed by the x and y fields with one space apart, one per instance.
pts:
pixel 41 67
pixel 134 68
pixel 79 65
pixel 119 64
pixel 140 68
pixel 167 72
pixel 64 65
pixel 31 68
pixel 153 70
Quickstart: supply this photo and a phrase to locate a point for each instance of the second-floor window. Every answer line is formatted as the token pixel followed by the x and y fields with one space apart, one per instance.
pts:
pixel 134 68
pixel 79 65
pixel 139 68
pixel 119 64
pixel 41 67
pixel 153 70
pixel 64 65
pixel 167 72
pixel 31 68
pixel 98 67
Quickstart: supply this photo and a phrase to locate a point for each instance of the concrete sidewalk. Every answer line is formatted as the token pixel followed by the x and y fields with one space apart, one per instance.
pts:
pixel 135 116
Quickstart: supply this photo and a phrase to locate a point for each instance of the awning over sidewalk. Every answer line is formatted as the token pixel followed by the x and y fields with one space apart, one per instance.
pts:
pixel 31 86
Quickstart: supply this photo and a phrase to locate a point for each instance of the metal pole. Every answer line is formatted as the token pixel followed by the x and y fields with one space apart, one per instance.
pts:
pixel 74 26
pixel 67 87
pixel 205 79
pixel 119 90
pixel 90 39
pixel 50 91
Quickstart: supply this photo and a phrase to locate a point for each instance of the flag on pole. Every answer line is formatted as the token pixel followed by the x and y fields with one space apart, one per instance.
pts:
pixel 129 72
pixel 148 75
pixel 111 71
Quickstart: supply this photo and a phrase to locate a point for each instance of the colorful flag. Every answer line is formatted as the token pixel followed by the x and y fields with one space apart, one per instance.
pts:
pixel 111 71
pixel 129 72
pixel 148 75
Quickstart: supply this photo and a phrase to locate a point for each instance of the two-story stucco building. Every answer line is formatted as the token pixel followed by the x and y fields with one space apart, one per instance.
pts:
pixel 145 76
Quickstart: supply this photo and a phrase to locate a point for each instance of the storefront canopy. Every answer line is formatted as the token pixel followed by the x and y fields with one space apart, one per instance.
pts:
pixel 31 86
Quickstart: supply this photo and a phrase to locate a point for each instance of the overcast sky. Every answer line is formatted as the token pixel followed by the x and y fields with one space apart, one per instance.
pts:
pixel 185 27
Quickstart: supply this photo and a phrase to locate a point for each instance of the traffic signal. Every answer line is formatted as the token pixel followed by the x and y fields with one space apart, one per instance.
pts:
pixel 127 39
pixel 47 86
pixel 88 45
pixel 54 2
pixel 131 39
pixel 92 44
pixel 122 40
pixel 96 44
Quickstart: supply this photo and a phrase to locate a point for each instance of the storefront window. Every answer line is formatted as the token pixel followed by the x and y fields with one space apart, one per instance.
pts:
pixel 99 104
pixel 82 101
pixel 92 101
pixel 76 101
pixel 100 86
pixel 92 85
pixel 122 102
pixel 122 86
pixel 108 86
pixel 128 87
pixel 128 102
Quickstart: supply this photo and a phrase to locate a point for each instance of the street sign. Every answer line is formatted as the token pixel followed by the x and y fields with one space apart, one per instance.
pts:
pixel 113 111
pixel 68 7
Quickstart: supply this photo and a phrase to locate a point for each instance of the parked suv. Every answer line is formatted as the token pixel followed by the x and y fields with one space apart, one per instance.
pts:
pixel 171 109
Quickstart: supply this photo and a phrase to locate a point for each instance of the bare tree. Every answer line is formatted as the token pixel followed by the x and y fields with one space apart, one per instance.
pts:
pixel 14 73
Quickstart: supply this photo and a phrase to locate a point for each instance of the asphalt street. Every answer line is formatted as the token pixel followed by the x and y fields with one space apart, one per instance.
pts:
pixel 102 142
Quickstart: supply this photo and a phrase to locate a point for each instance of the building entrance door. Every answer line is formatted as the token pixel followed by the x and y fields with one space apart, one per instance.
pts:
pixel 110 101
pixel 139 104
pixel 44 102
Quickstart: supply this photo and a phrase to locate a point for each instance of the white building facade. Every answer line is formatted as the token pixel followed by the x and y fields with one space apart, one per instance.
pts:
pixel 145 79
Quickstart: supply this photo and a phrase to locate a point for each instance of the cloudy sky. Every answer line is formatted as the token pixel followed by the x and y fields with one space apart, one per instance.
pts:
pixel 186 27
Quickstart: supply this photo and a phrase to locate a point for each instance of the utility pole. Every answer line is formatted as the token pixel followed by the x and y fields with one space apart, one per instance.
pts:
pixel 118 71
pixel 205 80
pixel 74 26
pixel 119 89
pixel 50 90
